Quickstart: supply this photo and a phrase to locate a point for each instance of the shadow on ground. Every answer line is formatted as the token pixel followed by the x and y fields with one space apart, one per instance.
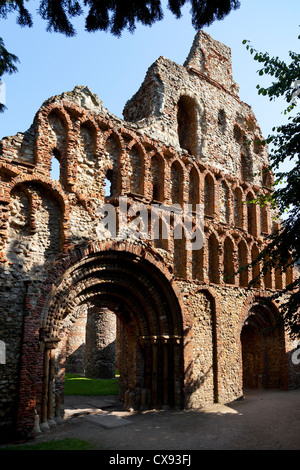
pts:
pixel 263 420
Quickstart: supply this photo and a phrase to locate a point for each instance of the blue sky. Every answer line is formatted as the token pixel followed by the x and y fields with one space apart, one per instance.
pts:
pixel 114 68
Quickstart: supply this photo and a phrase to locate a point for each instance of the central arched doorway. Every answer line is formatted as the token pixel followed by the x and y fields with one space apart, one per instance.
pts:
pixel 150 336
pixel 263 349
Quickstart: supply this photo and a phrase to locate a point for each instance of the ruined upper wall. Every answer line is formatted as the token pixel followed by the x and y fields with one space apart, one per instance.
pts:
pixel 181 114
pixel 195 108
pixel 183 133
pixel 213 59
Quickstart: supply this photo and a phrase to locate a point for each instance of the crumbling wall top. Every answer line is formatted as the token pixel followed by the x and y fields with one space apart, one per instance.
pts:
pixel 213 59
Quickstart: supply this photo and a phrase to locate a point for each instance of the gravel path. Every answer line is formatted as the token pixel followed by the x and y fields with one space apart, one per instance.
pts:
pixel 263 420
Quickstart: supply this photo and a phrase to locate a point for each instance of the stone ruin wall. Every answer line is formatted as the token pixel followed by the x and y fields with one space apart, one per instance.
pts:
pixel 145 157
pixel 206 82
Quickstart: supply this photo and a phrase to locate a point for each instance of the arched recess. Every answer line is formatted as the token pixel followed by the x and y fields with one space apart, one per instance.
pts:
pixel 112 153
pixel 177 182
pixel 179 249
pixel 157 177
pixel 197 255
pixel 268 273
pixel 263 348
pixel 137 288
pixel 251 214
pixel 229 270
pixel 256 266
pixel 36 229
pixel 194 188
pixel 209 195
pixel 242 263
pixel 86 151
pixel 264 219
pixel 187 124
pixel 238 208
pixel 213 259
pixel 53 137
pixel 245 167
pixel 58 137
pixel 136 170
pixel 55 195
pixel 224 201
pixel 87 141
pixel 160 231
pixel 246 161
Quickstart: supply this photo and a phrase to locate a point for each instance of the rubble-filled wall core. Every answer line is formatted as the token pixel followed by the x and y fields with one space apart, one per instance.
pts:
pixel 182 327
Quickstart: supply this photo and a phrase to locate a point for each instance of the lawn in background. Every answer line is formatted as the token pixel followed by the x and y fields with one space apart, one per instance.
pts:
pixel 76 384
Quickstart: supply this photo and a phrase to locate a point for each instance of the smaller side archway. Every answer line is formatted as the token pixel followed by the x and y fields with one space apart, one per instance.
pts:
pixel 263 348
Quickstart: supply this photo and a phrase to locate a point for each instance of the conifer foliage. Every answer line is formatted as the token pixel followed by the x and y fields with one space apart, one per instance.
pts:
pixel 106 15
pixel 283 248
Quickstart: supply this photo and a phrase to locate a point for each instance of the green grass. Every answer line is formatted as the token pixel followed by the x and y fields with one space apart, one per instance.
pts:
pixel 76 384
pixel 62 444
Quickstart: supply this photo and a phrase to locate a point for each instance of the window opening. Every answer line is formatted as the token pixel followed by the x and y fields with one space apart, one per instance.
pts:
pixel 187 125
pixel 108 183
pixel 55 166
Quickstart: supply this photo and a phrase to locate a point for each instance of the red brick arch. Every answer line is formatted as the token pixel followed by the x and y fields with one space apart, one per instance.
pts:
pixel 43 148
pixel 258 298
pixel 58 194
pixel 270 350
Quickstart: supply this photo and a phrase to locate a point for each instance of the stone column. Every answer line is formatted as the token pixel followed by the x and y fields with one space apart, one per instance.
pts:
pixel 177 372
pixel 44 418
pixel 146 390
pixel 51 398
pixel 154 342
pixel 100 353
pixel 47 412
pixel 165 342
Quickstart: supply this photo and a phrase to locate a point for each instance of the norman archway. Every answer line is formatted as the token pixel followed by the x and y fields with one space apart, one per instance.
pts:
pixel 130 282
